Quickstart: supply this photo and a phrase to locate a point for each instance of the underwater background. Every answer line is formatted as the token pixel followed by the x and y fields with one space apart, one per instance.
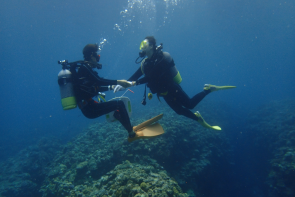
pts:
pixel 45 151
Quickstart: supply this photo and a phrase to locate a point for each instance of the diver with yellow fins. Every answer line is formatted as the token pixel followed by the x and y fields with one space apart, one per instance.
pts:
pixel 162 78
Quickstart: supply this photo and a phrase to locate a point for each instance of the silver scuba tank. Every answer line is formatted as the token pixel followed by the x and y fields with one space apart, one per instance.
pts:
pixel 66 88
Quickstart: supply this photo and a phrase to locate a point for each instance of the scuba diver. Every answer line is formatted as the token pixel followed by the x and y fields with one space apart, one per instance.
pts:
pixel 85 83
pixel 163 79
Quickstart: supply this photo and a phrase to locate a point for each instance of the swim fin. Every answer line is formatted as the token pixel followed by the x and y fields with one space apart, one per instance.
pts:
pixel 148 129
pixel 213 88
pixel 204 123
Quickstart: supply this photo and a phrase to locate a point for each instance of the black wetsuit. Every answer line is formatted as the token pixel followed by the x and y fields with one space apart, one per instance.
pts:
pixel 87 84
pixel 159 72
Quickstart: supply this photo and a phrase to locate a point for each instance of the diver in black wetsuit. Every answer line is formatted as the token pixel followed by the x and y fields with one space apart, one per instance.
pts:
pixel 87 84
pixel 163 78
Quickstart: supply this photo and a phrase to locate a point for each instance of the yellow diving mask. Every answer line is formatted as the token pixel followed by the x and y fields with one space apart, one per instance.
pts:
pixel 144 44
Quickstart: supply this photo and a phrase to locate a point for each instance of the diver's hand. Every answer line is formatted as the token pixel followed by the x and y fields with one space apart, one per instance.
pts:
pixel 118 88
pixel 121 87
pixel 125 83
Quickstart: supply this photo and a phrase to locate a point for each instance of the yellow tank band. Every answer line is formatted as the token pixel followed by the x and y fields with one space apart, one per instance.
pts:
pixel 177 78
pixel 69 103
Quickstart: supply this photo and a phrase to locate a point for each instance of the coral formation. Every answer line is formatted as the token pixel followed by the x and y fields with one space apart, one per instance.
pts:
pixel 88 165
pixel 23 175
pixel 126 179
pixel 272 129
pixel 187 150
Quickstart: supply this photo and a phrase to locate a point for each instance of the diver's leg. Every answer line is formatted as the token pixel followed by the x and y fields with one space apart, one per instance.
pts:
pixel 194 101
pixel 213 88
pixel 94 110
pixel 187 113
pixel 177 92
pixel 207 89
pixel 177 107
pixel 122 116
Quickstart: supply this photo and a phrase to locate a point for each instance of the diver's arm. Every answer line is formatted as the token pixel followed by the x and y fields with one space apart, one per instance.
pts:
pixel 105 82
pixel 104 88
pixel 141 81
pixel 136 75
pixel 133 78
pixel 95 78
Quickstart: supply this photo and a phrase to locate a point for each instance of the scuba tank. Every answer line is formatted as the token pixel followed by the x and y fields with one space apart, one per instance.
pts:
pixel 65 82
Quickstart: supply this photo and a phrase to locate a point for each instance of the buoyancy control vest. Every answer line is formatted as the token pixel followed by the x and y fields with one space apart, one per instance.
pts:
pixel 160 72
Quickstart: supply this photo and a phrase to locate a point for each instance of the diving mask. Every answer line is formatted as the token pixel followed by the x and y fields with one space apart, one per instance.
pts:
pixel 144 44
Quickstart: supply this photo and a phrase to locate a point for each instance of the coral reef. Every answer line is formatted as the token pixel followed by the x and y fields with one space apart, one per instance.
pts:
pixel 186 158
pixel 22 176
pixel 126 179
pixel 191 155
pixel 272 129
pixel 187 151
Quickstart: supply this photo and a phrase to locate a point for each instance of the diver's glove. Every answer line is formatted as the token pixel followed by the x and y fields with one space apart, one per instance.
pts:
pixel 118 88
pixel 121 88
pixel 204 123
pixel 132 83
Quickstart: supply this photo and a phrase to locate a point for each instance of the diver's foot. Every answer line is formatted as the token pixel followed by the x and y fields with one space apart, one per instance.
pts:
pixel 131 134
pixel 213 88
pixel 204 123
pixel 200 118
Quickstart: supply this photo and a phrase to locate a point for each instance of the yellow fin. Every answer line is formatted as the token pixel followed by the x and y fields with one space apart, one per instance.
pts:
pixel 216 128
pixel 148 122
pixel 148 129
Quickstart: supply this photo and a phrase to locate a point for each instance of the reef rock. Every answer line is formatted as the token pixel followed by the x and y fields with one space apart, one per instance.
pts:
pixel 125 180
pixel 271 130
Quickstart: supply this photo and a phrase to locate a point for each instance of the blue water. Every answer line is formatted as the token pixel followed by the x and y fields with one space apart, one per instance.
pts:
pixel 250 44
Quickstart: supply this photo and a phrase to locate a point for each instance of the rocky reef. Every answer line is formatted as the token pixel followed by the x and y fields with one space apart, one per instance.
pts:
pixel 188 160
pixel 187 157
pixel 272 132
pixel 190 153
pixel 126 179
pixel 22 175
